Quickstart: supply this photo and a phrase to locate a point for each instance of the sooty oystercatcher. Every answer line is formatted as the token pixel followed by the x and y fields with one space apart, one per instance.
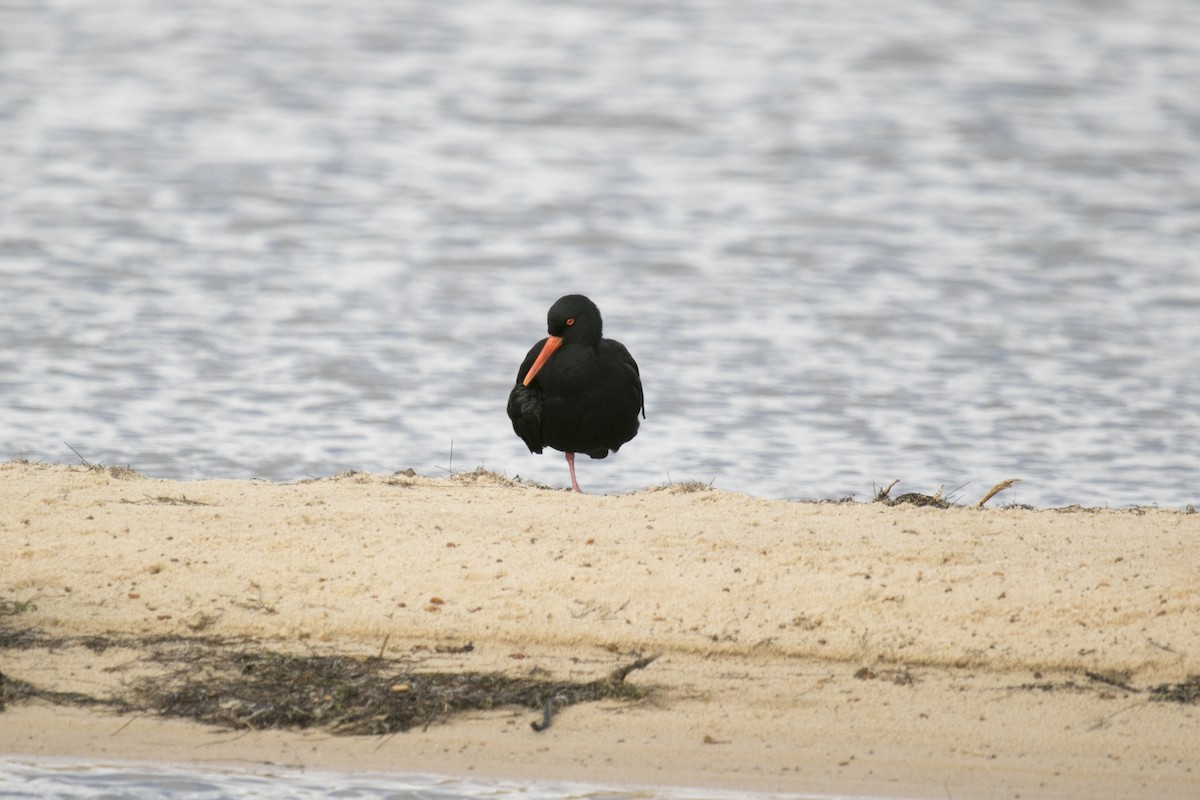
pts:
pixel 576 391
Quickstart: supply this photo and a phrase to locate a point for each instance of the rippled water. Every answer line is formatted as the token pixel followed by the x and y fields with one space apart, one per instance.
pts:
pixel 22 778
pixel 946 243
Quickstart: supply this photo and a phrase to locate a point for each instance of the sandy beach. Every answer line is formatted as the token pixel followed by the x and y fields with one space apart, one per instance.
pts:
pixel 850 648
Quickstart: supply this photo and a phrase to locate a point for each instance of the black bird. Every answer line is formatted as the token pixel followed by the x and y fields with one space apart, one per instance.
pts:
pixel 576 391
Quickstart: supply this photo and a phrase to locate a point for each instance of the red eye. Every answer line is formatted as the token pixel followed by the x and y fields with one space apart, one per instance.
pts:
pixel 571 321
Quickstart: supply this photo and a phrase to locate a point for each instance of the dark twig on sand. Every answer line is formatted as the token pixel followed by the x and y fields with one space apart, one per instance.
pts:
pixel 606 687
pixel 547 713
pixel 86 463
pixel 619 675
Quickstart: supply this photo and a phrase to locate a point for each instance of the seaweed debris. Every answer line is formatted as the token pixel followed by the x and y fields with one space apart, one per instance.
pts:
pixel 348 695
pixel 242 685
pixel 1187 692
pixel 911 498
pixel 937 499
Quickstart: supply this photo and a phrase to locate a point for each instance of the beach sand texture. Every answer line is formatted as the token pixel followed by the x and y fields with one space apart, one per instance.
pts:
pixel 852 648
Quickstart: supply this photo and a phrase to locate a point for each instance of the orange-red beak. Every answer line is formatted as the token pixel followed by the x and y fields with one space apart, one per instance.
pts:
pixel 552 344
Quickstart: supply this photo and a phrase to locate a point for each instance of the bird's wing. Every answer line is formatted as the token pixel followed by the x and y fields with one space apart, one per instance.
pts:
pixel 622 354
pixel 525 404
pixel 525 411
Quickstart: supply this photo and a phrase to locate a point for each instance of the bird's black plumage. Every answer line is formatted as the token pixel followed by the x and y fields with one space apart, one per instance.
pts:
pixel 585 395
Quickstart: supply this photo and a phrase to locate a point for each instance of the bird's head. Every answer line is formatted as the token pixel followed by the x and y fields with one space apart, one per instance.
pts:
pixel 573 319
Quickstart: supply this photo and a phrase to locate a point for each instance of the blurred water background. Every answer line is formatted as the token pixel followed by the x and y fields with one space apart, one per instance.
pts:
pixel 948 243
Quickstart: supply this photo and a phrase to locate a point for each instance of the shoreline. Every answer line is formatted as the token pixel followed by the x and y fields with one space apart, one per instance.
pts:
pixel 806 647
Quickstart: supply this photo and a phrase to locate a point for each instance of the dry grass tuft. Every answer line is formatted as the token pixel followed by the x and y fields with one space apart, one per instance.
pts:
pixel 997 489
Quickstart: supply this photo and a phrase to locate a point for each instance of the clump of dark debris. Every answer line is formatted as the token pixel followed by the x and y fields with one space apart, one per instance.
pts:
pixel 883 495
pixel 242 686
pixel 1186 692
pixel 937 499
pixel 347 695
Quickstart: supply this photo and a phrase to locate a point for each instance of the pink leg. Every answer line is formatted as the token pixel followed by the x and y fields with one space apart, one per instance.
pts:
pixel 571 464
